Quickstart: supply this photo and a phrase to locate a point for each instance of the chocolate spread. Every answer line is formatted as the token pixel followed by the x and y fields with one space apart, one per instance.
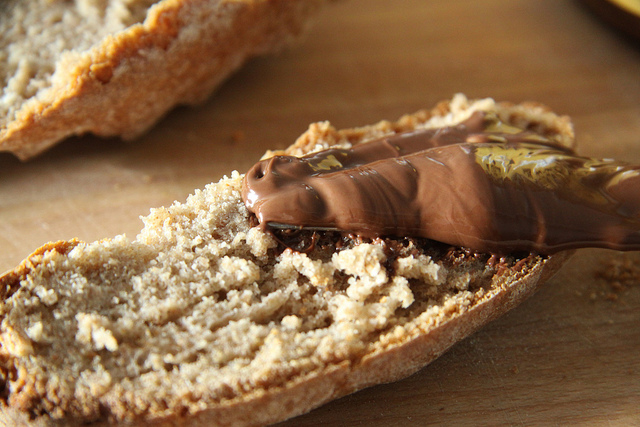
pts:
pixel 481 184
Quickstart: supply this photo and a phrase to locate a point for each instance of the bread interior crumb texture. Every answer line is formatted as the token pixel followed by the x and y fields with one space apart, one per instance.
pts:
pixel 36 34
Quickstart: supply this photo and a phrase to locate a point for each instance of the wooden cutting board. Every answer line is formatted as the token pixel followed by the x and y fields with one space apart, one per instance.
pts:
pixel 569 355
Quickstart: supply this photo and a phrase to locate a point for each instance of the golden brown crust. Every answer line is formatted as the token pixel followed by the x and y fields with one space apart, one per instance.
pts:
pixel 182 51
pixel 423 339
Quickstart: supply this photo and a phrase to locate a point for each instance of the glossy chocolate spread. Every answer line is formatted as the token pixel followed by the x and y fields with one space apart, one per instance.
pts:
pixel 480 184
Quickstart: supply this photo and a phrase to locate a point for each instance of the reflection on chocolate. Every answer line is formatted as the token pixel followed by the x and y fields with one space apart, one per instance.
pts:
pixel 480 184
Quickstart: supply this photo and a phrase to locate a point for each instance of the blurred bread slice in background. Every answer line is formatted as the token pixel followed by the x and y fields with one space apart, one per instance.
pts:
pixel 115 67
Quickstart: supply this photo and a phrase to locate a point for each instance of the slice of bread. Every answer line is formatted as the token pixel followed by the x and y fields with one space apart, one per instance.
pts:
pixel 114 67
pixel 204 320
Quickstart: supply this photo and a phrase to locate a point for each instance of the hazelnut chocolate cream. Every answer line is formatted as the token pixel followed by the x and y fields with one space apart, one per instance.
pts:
pixel 480 184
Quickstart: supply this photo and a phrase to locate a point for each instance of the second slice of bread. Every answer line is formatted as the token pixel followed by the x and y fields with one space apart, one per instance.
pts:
pixel 113 68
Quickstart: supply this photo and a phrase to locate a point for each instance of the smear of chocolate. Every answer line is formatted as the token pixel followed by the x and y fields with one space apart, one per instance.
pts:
pixel 481 184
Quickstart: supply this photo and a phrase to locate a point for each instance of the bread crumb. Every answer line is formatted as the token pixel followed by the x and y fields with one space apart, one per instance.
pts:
pixel 421 268
pixel 291 322
pixel 93 330
pixel 35 331
pixel 618 274
pixel 365 264
pixel 13 342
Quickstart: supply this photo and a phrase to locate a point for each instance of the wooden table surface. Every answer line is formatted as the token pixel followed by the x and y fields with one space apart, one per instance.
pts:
pixel 570 354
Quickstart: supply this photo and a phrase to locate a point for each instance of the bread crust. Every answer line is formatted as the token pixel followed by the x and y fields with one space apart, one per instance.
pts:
pixel 428 337
pixel 178 55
